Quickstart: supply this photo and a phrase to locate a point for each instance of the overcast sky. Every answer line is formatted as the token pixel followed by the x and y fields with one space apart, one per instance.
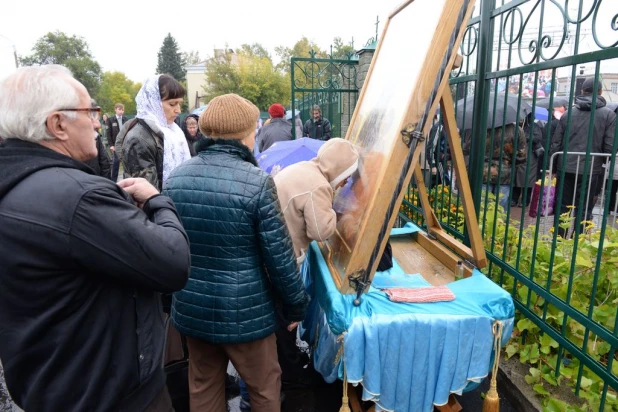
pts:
pixel 126 35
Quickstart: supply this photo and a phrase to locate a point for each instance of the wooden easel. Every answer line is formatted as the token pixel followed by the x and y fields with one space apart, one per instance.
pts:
pixel 436 241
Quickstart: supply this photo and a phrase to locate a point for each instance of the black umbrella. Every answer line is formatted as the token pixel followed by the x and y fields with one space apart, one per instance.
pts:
pixel 558 102
pixel 464 118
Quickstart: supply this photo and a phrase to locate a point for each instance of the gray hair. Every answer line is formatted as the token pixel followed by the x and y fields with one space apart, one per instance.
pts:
pixel 316 107
pixel 31 94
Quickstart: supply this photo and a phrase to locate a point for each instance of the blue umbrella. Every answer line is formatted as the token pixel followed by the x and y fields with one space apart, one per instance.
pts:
pixel 282 154
pixel 199 110
pixel 541 113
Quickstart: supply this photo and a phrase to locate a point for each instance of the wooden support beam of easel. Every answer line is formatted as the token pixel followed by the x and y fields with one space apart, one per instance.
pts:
pixel 475 253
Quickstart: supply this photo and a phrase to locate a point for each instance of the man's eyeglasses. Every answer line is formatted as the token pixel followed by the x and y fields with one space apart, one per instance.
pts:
pixel 94 112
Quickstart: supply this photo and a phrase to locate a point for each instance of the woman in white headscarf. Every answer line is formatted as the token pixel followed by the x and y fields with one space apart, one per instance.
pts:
pixel 152 145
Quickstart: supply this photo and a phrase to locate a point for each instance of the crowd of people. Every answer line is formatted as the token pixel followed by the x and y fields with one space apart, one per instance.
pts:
pixel 90 263
pixel 518 155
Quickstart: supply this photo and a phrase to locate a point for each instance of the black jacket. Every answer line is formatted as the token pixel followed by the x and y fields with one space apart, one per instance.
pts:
pixel 317 130
pixel 113 128
pixel 602 139
pixel 80 322
pixel 100 164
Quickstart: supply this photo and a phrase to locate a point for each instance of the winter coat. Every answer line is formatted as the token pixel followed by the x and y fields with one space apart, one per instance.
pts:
pixel 80 271
pixel 532 165
pixel 499 159
pixel 278 130
pixel 319 129
pixel 306 192
pixel 602 138
pixel 101 164
pixel 140 149
pixel 242 255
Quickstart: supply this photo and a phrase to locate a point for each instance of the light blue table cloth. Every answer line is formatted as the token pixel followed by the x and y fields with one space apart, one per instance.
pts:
pixel 407 356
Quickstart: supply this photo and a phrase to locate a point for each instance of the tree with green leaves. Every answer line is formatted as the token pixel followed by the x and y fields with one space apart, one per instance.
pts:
pixel 341 50
pixel 170 59
pixel 192 57
pixel 72 52
pixel 117 88
pixel 302 48
pixel 249 73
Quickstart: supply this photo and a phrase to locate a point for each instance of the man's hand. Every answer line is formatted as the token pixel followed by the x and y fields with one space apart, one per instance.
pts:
pixel 139 189
pixel 112 148
pixel 292 326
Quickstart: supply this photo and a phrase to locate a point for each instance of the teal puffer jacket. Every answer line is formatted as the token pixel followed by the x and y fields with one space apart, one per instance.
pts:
pixel 242 259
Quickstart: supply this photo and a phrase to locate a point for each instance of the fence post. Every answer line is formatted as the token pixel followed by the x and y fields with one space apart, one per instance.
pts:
pixel 481 102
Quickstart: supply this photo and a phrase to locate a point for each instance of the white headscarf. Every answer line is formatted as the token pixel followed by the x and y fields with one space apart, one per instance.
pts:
pixel 149 106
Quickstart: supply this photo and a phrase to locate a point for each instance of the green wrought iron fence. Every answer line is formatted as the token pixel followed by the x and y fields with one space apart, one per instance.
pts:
pixel 329 83
pixel 520 56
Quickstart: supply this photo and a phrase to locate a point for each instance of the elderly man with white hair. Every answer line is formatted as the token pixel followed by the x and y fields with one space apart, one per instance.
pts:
pixel 83 261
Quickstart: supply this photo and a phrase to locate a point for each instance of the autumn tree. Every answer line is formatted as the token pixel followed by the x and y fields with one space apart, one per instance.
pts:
pixel 248 72
pixel 342 50
pixel 72 52
pixel 302 48
pixel 170 59
pixel 117 88
pixel 192 57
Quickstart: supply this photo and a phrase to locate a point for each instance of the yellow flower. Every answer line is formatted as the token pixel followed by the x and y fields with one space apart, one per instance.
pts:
pixel 551 230
pixel 571 207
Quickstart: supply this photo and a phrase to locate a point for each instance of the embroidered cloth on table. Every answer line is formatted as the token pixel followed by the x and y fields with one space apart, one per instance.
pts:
pixel 420 295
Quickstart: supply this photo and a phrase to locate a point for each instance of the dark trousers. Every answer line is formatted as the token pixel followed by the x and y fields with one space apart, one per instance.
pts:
pixel 613 194
pixel 115 167
pixel 571 194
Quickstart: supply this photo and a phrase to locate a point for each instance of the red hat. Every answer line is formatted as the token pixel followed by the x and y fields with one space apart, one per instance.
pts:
pixel 276 110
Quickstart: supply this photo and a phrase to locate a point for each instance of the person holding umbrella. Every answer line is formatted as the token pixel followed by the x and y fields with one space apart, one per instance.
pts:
pixel 505 146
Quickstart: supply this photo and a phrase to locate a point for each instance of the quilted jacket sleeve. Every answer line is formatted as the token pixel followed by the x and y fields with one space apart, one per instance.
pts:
pixel 278 254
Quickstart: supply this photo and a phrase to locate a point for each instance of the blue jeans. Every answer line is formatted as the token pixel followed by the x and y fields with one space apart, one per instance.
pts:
pixel 502 193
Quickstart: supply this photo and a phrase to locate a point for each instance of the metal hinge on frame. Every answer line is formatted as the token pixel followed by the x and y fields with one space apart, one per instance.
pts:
pixel 409 134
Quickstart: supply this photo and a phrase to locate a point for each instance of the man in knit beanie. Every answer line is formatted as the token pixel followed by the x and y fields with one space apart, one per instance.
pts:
pixel 242 261
pixel 306 191
pixel 278 130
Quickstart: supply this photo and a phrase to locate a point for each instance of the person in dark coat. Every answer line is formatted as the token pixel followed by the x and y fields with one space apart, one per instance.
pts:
pixel 317 127
pixel 82 266
pixel 192 132
pixel 100 164
pixel 601 141
pixel 279 129
pixel 114 124
pixel 533 133
pixel 243 261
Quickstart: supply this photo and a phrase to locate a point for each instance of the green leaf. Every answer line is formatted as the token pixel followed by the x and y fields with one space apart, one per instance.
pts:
pixel 538 388
pixel 555 405
pixel 585 383
pixel 511 349
pixel 549 377
pixel 534 377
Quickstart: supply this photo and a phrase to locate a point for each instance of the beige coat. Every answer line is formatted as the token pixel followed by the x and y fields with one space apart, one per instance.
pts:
pixel 306 192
